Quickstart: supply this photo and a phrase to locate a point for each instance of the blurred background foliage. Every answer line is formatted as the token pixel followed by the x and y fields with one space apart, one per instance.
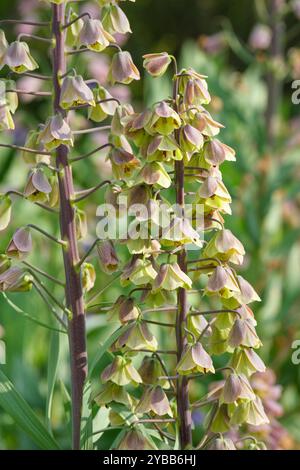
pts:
pixel 224 40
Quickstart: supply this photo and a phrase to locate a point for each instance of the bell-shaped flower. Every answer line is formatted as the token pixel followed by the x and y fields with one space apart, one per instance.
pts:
pixel 150 371
pixel 171 277
pixel 236 389
pixel 191 140
pixel 154 401
pixel 88 274
pixel 122 69
pixel 243 334
pixel 214 195
pixel 222 443
pixel 93 35
pixel 56 132
pixel 163 148
pixel 136 337
pixel 193 88
pixel 135 440
pixel 101 110
pixel 197 324
pixel 112 393
pixel 246 361
pixel 73 31
pixel 3 47
pixel 180 232
pixel 135 125
pixel 203 121
pixel 33 142
pixel 123 162
pixel 18 58
pixel 138 271
pixel 114 20
pixel 124 310
pixel 75 92
pixel 164 120
pixel 247 293
pixel 53 197
pixel 154 174
pixel 37 187
pixel 107 256
pixel 15 279
pixel 195 360
pixel 223 283
pixel 121 372
pixel 5 211
pixel 156 64
pixel 257 415
pixel 215 152
pixel 20 244
pixel 225 247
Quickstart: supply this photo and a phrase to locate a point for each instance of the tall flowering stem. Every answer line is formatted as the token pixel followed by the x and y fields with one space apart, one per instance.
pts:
pixel 74 291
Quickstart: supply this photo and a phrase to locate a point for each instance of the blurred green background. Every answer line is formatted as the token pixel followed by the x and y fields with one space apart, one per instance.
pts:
pixel 250 81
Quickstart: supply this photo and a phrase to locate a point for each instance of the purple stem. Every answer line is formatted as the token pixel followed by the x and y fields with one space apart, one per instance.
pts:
pixel 74 293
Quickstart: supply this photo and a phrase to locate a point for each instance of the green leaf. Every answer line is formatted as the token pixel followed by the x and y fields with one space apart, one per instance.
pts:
pixel 29 317
pixel 52 372
pixel 14 405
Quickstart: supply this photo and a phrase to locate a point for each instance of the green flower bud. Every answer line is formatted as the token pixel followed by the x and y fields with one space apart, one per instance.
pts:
pixel 81 224
pixel 88 276
pixel 150 371
pixel 222 444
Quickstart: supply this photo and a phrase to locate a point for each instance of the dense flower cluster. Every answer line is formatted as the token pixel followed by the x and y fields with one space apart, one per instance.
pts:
pixel 172 144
